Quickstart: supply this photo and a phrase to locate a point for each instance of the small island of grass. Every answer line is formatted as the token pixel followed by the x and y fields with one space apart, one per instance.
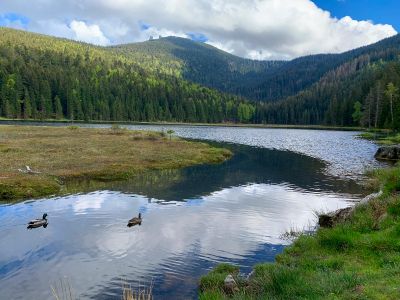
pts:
pixel 56 155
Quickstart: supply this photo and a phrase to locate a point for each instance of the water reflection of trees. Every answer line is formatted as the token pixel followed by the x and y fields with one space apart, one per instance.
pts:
pixel 249 165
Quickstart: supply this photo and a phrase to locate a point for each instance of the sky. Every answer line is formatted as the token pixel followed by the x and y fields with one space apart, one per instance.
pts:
pixel 379 11
pixel 257 29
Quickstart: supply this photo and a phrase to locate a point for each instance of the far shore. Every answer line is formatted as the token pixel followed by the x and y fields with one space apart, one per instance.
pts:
pixel 272 126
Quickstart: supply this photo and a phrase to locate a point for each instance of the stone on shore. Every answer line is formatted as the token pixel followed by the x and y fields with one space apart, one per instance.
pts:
pixel 331 219
pixel 230 285
pixel 391 153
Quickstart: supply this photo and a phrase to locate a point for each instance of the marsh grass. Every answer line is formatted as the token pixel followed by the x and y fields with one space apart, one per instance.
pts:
pixel 62 290
pixel 61 154
pixel 383 137
pixel 294 233
pixel 143 293
pixel 357 259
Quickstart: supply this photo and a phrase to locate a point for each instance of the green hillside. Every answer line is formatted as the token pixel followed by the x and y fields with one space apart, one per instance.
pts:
pixel 175 79
pixel 43 77
pixel 200 63
pixel 265 81
pixel 362 81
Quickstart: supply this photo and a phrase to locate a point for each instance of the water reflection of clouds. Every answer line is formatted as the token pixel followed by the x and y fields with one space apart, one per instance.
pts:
pixel 88 241
pixel 91 201
pixel 228 224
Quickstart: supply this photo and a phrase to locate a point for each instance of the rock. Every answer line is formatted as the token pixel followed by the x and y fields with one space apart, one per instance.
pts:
pixel 388 153
pixel 230 285
pixel 332 218
pixel 370 197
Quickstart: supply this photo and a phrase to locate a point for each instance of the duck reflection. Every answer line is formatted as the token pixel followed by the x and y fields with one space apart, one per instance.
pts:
pixel 249 165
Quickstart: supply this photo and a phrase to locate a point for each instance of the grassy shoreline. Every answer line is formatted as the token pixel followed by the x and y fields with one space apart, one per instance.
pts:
pixel 273 126
pixel 382 137
pixel 61 154
pixel 359 258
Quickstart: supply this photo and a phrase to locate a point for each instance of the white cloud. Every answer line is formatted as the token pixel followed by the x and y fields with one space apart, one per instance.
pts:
pixel 88 33
pixel 156 32
pixel 263 29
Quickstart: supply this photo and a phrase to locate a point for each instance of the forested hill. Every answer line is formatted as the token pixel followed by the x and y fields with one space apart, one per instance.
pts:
pixel 363 91
pixel 316 89
pixel 43 77
pixel 257 80
pixel 200 63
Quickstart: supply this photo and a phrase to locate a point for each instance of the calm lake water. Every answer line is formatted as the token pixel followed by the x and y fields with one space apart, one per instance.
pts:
pixel 192 218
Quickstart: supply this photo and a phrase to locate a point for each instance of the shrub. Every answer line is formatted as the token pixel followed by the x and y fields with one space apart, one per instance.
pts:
pixel 117 129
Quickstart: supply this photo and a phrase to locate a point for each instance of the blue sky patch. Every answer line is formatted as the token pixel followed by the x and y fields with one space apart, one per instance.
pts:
pixel 197 37
pixel 143 26
pixel 379 11
pixel 13 19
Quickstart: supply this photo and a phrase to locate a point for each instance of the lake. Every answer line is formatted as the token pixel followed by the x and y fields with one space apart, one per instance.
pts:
pixel 193 218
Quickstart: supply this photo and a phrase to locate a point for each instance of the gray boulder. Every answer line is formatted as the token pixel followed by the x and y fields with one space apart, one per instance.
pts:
pixel 388 153
pixel 331 219
pixel 230 285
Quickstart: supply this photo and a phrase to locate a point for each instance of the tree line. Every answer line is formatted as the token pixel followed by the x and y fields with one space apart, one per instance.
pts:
pixel 48 78
pixel 53 81
pixel 362 92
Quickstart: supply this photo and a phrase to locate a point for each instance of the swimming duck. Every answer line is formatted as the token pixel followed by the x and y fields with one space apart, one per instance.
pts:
pixel 135 221
pixel 38 222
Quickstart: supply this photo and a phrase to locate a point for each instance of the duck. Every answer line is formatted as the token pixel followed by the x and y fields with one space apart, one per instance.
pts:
pixel 135 221
pixel 38 222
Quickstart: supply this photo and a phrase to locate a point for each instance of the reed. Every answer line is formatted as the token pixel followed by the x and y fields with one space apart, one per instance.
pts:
pixel 141 293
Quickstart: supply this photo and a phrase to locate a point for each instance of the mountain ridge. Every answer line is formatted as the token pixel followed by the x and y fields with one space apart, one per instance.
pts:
pixel 256 80
pixel 175 79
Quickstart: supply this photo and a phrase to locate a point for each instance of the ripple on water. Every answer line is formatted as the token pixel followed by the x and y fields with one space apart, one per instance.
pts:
pixel 234 212
pixel 345 153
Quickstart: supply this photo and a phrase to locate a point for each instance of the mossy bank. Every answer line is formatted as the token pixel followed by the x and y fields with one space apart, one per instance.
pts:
pixel 56 155
pixel 359 258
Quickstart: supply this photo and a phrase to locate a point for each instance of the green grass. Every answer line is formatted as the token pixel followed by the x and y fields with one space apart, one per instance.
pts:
pixel 67 154
pixel 382 137
pixel 357 259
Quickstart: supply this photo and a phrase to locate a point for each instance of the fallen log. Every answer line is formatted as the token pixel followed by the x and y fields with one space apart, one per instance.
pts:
pixel 28 170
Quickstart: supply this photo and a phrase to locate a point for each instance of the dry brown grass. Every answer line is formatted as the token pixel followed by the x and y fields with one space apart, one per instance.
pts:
pixel 62 290
pixel 63 153
pixel 128 293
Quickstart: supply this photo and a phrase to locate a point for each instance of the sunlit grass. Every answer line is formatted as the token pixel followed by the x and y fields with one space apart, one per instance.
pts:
pixel 382 137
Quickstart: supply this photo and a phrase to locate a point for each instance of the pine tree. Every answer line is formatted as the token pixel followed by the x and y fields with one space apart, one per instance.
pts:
pixel 357 114
pixel 58 107
pixel 391 92
pixel 27 112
